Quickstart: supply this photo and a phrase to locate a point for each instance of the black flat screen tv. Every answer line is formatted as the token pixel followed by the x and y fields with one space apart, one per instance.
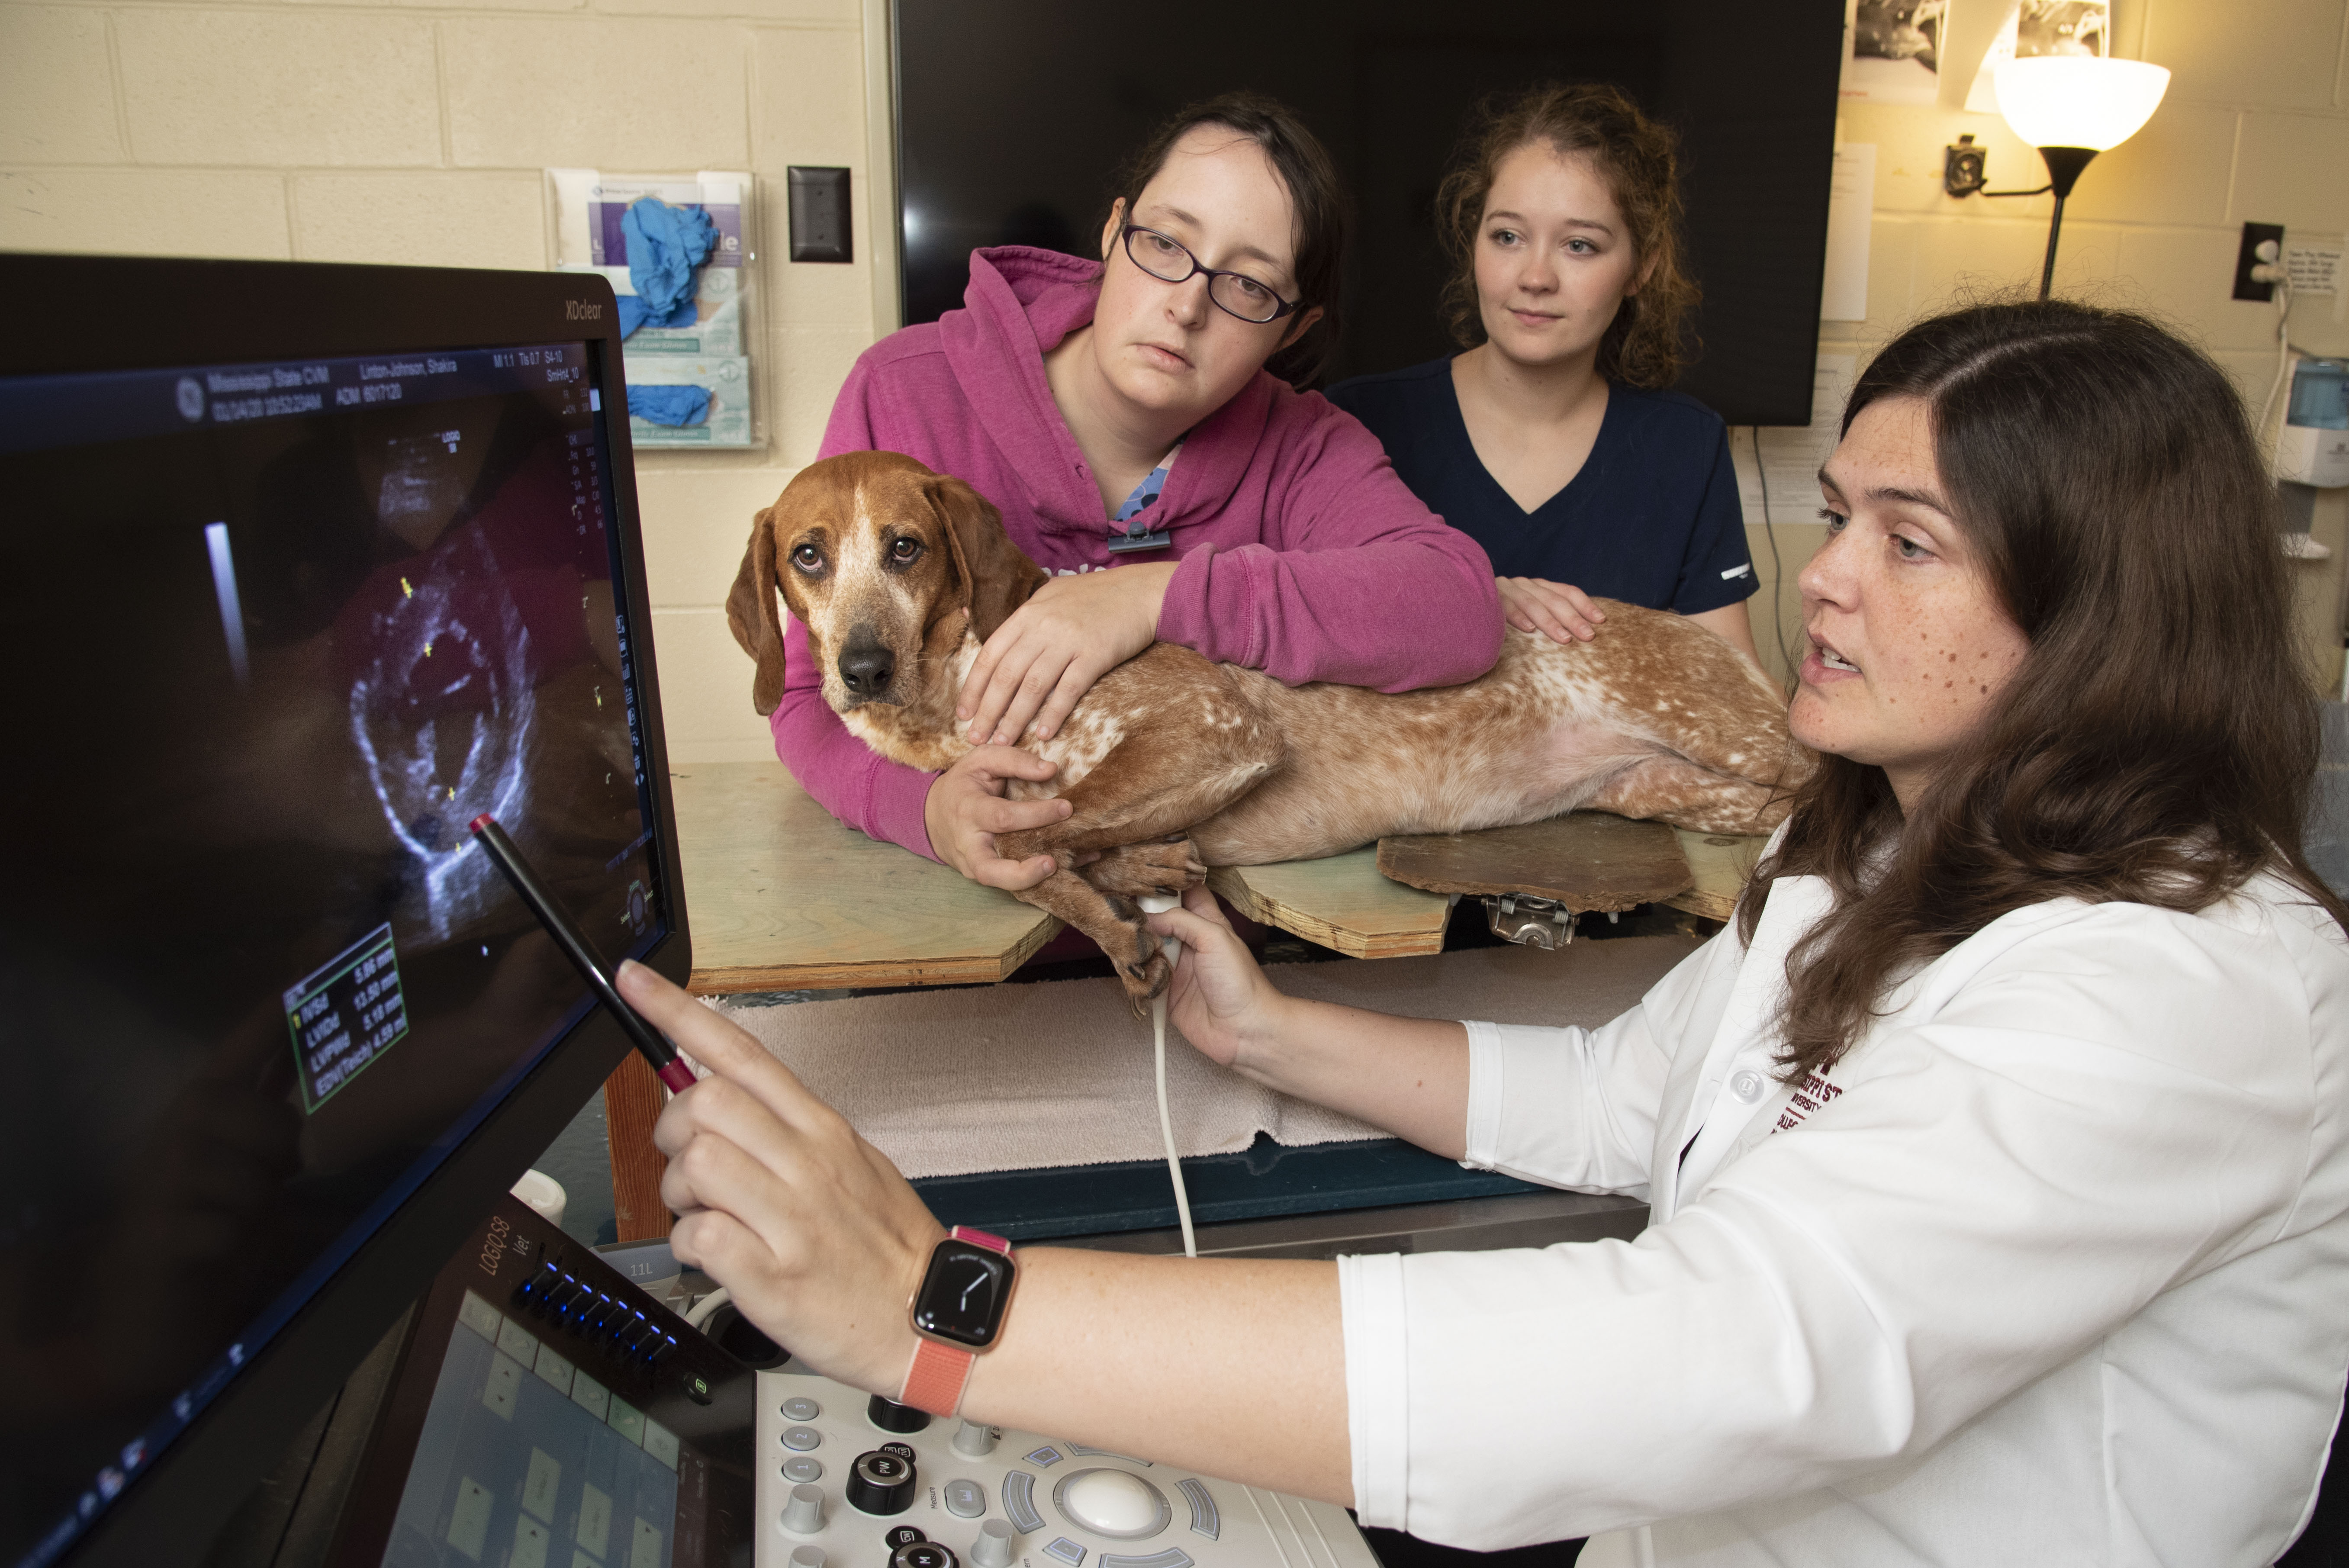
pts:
pixel 1013 115
pixel 304 566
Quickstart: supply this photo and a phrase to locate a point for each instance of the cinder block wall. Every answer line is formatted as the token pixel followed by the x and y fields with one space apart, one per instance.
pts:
pixel 406 131
pixel 2255 127
pixel 415 132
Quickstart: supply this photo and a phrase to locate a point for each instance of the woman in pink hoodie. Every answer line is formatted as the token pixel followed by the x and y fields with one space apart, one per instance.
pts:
pixel 1137 414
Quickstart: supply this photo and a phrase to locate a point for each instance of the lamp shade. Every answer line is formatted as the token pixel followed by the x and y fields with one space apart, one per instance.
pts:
pixel 2079 100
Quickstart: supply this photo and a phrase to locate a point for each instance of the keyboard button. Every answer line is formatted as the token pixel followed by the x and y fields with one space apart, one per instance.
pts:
pixel 1020 1501
pixel 590 1395
pixel 1066 1550
pixel 518 1341
pixel 965 1498
pixel 1205 1520
pixel 554 1370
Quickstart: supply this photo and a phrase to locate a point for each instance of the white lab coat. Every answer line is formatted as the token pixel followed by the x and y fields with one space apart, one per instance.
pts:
pixel 2057 1272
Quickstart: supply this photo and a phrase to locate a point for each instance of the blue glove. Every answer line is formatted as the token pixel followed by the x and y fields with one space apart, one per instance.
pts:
pixel 669 405
pixel 634 315
pixel 665 244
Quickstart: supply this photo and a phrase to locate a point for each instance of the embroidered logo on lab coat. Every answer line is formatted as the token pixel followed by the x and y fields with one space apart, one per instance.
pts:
pixel 1814 1092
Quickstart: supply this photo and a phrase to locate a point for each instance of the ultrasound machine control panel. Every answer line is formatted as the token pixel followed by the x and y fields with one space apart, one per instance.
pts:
pixel 848 1481
pixel 546 1413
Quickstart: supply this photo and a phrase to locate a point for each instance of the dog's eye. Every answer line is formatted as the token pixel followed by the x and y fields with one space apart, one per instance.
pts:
pixel 806 559
pixel 904 550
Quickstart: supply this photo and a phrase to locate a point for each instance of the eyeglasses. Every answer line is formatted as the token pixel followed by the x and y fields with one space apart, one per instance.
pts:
pixel 1235 294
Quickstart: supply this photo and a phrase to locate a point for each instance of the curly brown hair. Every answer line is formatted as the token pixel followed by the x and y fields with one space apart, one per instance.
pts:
pixel 2160 740
pixel 1640 159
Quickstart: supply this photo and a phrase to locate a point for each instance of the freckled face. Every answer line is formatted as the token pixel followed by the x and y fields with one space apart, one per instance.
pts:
pixel 1553 256
pixel 1909 646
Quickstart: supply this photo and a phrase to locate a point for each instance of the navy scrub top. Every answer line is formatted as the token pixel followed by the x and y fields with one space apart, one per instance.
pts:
pixel 1653 518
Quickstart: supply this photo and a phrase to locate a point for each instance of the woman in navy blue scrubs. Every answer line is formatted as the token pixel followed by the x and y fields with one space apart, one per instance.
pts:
pixel 1553 440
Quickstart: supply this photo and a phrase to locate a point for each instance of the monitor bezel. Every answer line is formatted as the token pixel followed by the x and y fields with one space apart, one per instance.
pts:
pixel 120 313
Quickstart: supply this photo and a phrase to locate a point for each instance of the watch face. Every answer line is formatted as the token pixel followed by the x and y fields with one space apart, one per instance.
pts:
pixel 963 1295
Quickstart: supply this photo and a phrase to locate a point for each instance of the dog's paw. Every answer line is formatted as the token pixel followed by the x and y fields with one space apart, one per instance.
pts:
pixel 1146 980
pixel 1132 869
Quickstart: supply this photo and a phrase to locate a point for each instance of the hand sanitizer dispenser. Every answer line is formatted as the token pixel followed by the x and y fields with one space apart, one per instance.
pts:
pixel 2313 447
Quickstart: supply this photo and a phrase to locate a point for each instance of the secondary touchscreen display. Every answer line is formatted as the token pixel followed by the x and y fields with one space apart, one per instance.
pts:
pixel 280 632
pixel 526 1459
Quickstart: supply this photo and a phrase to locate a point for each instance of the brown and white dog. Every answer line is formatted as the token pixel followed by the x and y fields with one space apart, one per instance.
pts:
pixel 1174 764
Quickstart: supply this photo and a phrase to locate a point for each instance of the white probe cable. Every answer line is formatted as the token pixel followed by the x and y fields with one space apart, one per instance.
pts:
pixel 1158 904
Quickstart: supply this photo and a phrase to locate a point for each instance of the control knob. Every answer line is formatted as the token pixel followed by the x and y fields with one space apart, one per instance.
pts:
pixel 976 1439
pixel 993 1547
pixel 880 1483
pixel 922 1554
pixel 892 1416
pixel 803 1515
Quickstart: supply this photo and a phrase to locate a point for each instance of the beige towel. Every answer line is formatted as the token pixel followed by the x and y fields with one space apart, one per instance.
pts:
pixel 1012 1077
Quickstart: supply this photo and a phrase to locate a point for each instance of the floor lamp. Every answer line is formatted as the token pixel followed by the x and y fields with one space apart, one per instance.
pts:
pixel 2070 107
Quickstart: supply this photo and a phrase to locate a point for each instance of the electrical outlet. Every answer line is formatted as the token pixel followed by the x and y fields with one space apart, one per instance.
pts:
pixel 819 220
pixel 2247 257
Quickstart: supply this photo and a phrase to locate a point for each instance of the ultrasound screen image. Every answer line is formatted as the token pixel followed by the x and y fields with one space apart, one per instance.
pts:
pixel 277 634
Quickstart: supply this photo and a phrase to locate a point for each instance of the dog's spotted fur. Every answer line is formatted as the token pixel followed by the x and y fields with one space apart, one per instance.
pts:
pixel 1174 764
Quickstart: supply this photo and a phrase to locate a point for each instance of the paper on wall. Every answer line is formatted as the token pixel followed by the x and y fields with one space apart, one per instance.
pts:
pixel 2035 27
pixel 1790 456
pixel 1851 209
pixel 1891 50
pixel 2312 269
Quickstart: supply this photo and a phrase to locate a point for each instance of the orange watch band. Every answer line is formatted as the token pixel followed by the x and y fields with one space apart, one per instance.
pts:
pixel 937 1374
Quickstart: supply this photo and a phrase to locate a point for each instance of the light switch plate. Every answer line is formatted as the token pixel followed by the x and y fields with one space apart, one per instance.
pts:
pixel 820 217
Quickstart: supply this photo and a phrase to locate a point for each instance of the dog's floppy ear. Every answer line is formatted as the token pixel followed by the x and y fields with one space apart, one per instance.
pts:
pixel 997 577
pixel 750 610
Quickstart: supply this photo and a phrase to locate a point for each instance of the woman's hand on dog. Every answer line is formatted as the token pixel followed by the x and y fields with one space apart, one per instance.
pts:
pixel 1559 611
pixel 820 1239
pixel 1042 659
pixel 966 809
pixel 1219 999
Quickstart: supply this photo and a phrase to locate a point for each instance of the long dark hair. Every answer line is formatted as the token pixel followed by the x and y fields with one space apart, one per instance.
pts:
pixel 1315 197
pixel 1640 159
pixel 2158 742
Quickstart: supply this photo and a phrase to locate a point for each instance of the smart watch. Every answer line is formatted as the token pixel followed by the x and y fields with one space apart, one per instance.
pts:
pixel 958 1313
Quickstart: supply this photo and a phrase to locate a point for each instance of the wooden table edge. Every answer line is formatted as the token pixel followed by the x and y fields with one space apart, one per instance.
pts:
pixel 1703 902
pixel 728 980
pixel 1227 881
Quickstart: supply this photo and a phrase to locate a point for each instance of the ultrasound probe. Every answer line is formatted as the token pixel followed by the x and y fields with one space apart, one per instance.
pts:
pixel 667 1065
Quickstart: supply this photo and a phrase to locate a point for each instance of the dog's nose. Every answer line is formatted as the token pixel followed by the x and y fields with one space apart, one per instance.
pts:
pixel 867 671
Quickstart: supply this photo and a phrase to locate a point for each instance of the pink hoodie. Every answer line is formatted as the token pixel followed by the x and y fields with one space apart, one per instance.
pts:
pixel 1302 554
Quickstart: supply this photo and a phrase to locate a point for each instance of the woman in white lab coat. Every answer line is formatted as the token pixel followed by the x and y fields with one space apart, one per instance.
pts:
pixel 1998 1154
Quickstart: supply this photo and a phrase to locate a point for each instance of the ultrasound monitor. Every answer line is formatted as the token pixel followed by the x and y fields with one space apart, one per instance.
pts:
pixel 303 569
